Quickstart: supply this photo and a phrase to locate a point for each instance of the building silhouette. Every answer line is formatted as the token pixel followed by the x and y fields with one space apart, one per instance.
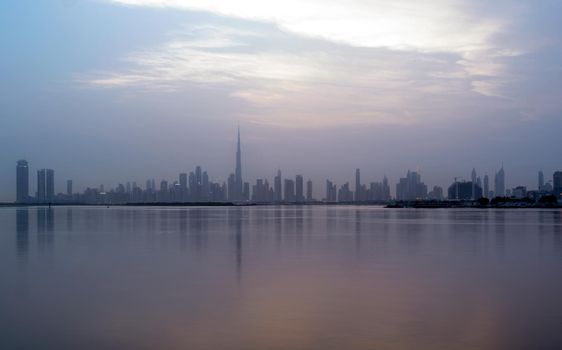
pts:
pixel 499 183
pixel 557 184
pixel 309 197
pixel 41 195
pixel 464 191
pixel 299 189
pixel 411 187
pixel 50 185
pixel 22 181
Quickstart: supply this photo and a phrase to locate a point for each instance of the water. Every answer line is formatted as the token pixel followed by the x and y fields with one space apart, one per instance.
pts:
pixel 335 277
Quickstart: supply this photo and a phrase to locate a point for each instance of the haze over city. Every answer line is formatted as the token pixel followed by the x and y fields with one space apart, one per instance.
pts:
pixel 112 91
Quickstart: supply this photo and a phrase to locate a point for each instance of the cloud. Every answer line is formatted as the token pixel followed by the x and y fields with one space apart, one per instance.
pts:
pixel 426 26
pixel 361 61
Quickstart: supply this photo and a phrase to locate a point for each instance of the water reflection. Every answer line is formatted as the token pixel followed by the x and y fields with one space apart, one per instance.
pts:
pixel 282 277
pixel 22 232
pixel 45 228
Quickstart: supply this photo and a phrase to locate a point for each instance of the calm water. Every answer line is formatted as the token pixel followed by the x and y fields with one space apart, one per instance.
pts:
pixel 280 278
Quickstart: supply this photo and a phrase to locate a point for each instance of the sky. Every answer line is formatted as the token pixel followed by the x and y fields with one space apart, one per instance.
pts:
pixel 110 91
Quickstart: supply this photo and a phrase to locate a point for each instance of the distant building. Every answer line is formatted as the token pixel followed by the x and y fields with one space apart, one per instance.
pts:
pixel 464 191
pixel 557 184
pixel 541 181
pixel 486 192
pixel 69 188
pixel 436 193
pixel 289 191
pixel 299 188
pixel 331 192
pixel 411 187
pixel 22 181
pixel 345 194
pixel 277 188
pixel 309 197
pixel 41 195
pixel 519 192
pixel 358 189
pixel 50 186
pixel 499 183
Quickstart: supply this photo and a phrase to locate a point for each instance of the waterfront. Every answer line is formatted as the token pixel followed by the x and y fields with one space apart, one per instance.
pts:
pixel 280 277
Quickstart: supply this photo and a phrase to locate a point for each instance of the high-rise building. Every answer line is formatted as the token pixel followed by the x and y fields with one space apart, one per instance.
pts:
pixel 331 192
pixel 41 195
pixel 22 181
pixel 541 181
pixel 499 183
pixel 486 187
pixel 289 191
pixel 358 192
pixel 238 191
pixel 277 188
pixel 557 184
pixel 69 187
pixel 183 186
pixel 411 187
pixel 50 187
pixel 309 191
pixel 299 188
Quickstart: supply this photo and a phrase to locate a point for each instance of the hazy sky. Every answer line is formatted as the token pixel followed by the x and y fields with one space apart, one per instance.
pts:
pixel 109 91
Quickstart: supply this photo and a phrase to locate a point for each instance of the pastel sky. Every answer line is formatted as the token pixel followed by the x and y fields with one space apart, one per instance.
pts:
pixel 109 91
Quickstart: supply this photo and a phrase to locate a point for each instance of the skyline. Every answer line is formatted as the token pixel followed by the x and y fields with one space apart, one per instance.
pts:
pixel 109 90
pixel 198 186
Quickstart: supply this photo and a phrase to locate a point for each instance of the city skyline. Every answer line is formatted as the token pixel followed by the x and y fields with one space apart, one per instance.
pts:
pixel 197 186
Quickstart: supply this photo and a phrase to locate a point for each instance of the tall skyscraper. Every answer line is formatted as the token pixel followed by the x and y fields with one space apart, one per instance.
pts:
pixel 69 187
pixel 411 187
pixel 41 190
pixel 299 188
pixel 486 186
pixel 309 191
pixel 22 181
pixel 499 183
pixel 277 188
pixel 238 182
pixel 541 180
pixel 50 187
pixel 358 192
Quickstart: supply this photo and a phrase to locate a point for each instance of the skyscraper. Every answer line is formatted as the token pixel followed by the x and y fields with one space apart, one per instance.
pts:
pixel 299 188
pixel 278 194
pixel 541 180
pixel 22 181
pixel 289 191
pixel 50 184
pixel 309 190
pixel 41 191
pixel 238 182
pixel 486 186
pixel 499 183
pixel 69 187
pixel 358 192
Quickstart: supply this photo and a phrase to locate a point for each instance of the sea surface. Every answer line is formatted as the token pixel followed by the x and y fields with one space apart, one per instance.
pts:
pixel 280 277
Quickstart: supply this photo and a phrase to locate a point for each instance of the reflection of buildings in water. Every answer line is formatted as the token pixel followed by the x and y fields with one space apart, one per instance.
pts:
pixel 235 226
pixel 22 232
pixel 69 219
pixel 557 232
pixel 499 234
pixel 183 228
pixel 357 231
pixel 198 227
pixel 45 227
